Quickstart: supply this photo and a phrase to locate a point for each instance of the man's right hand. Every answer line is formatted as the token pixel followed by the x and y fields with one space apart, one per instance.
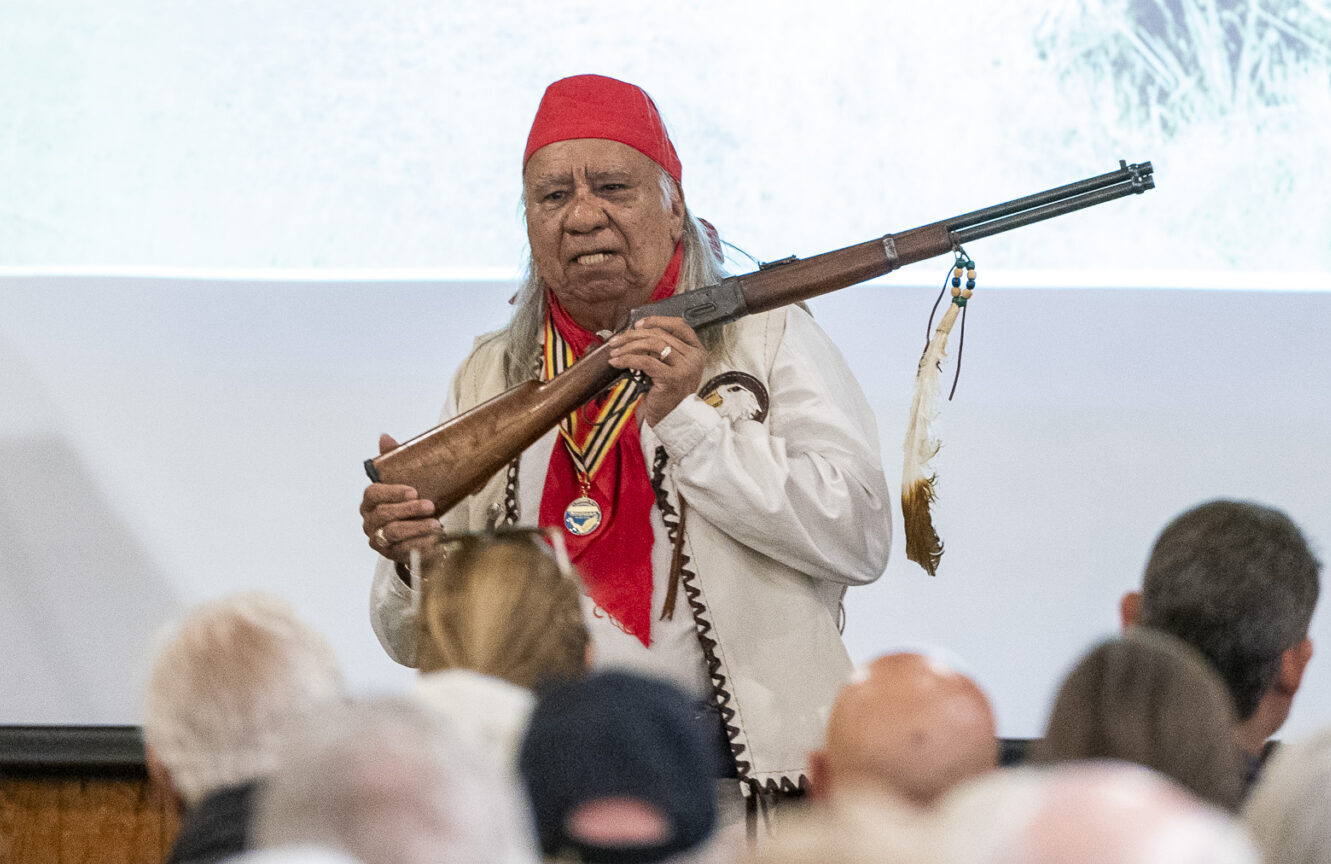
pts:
pixel 395 518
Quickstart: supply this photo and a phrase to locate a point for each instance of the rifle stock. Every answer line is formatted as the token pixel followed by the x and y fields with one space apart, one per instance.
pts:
pixel 456 458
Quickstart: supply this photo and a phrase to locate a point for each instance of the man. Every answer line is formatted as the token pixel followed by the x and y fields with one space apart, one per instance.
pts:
pixel 230 685
pixel 1236 581
pixel 715 545
pixel 909 726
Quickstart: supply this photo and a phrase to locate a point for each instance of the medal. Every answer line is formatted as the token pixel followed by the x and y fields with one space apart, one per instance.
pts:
pixel 582 516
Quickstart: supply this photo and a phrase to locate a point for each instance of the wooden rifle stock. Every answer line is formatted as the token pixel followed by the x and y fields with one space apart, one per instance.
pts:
pixel 456 458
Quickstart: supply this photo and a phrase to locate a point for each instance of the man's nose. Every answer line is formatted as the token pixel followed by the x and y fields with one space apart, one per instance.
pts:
pixel 585 213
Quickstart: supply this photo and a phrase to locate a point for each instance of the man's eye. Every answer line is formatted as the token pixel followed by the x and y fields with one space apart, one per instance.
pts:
pixel 554 197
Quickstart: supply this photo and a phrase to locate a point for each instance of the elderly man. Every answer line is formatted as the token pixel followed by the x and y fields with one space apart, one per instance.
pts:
pixel 1236 581
pixel 715 545
pixel 909 726
pixel 232 683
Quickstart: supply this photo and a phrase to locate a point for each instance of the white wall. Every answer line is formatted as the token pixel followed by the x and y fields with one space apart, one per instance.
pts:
pixel 167 440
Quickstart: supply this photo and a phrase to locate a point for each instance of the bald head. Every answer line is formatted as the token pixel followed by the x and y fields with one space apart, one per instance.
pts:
pixel 907 725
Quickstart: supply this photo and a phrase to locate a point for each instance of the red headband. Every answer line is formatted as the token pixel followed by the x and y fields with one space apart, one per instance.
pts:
pixel 593 106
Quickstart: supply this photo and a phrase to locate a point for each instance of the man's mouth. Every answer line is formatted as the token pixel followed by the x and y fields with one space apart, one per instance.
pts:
pixel 593 258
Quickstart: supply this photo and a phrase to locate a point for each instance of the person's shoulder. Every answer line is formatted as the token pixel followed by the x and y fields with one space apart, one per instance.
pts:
pixel 488 347
pixel 768 331
pixel 778 320
pixel 481 374
pixel 487 353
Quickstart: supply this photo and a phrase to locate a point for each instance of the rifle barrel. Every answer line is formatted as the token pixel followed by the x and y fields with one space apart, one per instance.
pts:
pixel 1136 172
pixel 1056 207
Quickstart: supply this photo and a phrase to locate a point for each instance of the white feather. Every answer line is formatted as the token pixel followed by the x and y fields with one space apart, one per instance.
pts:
pixel 917 477
pixel 921 445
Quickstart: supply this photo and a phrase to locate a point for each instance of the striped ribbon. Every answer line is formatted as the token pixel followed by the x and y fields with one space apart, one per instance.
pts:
pixel 589 443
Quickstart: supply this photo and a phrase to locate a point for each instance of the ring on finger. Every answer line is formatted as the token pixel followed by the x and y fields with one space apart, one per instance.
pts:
pixel 665 352
pixel 380 539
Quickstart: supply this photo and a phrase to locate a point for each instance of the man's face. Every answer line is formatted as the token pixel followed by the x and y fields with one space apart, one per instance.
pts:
pixel 601 230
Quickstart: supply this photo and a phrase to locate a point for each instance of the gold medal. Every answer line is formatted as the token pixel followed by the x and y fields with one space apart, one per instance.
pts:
pixel 582 516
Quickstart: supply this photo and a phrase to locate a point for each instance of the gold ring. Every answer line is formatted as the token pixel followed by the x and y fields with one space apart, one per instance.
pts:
pixel 380 539
pixel 665 352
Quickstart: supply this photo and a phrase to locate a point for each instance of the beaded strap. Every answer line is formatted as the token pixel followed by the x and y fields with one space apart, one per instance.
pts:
pixel 963 265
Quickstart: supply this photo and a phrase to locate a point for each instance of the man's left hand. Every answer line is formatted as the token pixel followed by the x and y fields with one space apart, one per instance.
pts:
pixel 670 353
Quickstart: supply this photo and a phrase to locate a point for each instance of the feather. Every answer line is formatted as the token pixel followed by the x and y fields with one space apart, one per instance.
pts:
pixel 923 545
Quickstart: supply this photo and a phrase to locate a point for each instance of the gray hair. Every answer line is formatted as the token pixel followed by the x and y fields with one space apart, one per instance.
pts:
pixel 1289 812
pixel 1085 813
pixel 1237 581
pixel 388 782
pixel 700 266
pixel 228 685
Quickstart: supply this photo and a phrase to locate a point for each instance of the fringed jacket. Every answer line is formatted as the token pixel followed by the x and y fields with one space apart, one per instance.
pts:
pixel 777 459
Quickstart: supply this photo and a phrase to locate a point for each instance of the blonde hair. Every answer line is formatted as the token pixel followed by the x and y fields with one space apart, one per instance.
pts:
pixel 500 605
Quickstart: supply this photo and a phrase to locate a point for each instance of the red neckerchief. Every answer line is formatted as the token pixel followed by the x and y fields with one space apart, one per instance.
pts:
pixel 616 560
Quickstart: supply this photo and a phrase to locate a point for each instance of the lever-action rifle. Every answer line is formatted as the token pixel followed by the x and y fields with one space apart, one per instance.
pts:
pixel 456 458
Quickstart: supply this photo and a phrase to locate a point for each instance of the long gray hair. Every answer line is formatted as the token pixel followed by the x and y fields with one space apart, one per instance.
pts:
pixel 700 266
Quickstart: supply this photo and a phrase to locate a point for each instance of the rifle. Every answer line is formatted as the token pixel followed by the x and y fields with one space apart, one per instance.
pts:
pixel 456 458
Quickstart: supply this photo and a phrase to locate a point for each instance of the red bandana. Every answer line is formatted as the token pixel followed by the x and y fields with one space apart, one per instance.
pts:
pixel 594 106
pixel 615 560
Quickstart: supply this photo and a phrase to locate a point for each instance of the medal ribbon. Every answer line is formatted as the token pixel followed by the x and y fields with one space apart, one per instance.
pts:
pixel 602 459
pixel 589 444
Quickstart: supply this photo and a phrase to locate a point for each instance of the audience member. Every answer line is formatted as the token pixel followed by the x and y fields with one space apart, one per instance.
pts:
pixel 905 725
pixel 1237 581
pixel 1150 699
pixel 1289 813
pixel 619 769
pixel 860 829
pixel 1088 813
pixel 491 714
pixel 229 685
pixel 500 617
pixel 388 782
pixel 501 604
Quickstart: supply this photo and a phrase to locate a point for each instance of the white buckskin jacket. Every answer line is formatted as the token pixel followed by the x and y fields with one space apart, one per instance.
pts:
pixel 787 506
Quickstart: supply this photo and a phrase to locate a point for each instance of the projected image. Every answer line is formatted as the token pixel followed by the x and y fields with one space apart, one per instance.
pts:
pixel 1179 63
pixel 229 135
pixel 1236 91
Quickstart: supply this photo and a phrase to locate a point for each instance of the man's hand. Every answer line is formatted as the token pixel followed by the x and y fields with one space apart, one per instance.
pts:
pixel 395 518
pixel 669 352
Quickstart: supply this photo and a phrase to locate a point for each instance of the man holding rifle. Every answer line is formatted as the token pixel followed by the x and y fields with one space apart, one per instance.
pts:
pixel 717 518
